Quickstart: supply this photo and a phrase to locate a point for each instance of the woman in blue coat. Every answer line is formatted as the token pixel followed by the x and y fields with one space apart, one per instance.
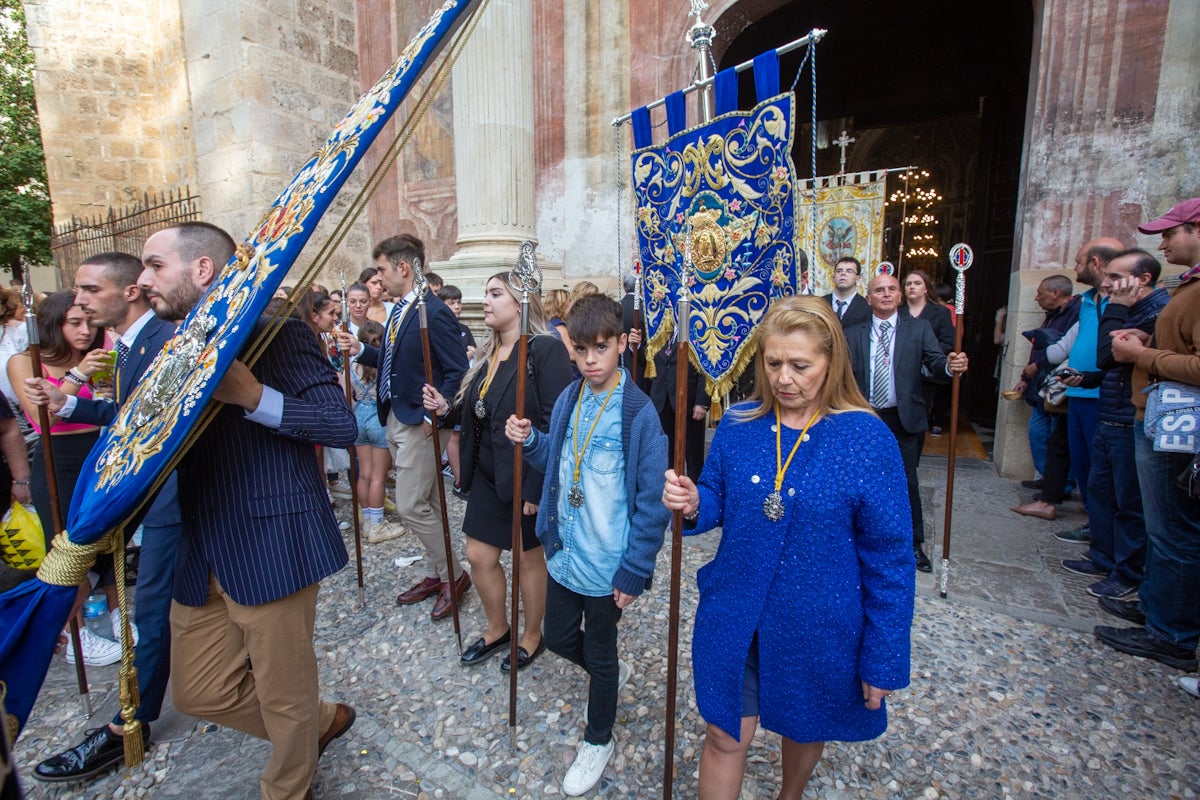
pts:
pixel 805 611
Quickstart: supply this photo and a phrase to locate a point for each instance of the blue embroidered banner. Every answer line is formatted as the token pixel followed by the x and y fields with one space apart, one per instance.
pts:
pixel 729 184
pixel 158 417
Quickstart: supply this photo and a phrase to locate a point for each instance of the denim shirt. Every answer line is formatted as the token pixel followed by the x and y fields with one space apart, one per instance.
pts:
pixel 594 536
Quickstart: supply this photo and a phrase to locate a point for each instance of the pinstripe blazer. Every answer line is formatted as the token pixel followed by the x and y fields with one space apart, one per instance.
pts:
pixel 408 361
pixel 254 503
pixel 146 345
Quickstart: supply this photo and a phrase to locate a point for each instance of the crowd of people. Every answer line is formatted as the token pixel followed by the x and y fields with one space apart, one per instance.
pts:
pixel 234 549
pixel 1096 360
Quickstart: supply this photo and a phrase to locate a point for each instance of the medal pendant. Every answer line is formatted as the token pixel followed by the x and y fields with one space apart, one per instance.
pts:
pixel 773 506
pixel 575 495
pixel 480 409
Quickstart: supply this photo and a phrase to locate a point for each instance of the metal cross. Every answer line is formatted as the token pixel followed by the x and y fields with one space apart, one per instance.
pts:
pixel 843 142
pixel 698 8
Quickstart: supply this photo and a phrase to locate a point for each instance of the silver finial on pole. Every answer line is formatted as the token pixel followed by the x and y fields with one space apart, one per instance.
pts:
pixel 700 37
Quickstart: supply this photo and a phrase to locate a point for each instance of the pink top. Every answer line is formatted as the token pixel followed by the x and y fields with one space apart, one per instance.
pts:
pixel 62 426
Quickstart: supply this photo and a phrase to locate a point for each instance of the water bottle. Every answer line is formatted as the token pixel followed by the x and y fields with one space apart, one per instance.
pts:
pixel 95 615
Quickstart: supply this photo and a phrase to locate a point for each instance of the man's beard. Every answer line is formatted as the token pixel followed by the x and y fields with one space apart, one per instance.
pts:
pixel 175 304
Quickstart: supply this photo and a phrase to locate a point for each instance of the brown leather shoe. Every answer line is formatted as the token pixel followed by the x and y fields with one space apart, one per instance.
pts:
pixel 343 718
pixel 1036 509
pixel 441 609
pixel 427 587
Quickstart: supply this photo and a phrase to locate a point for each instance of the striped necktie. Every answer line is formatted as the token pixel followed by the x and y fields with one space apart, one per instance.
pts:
pixel 879 370
pixel 122 357
pixel 384 383
pixel 841 308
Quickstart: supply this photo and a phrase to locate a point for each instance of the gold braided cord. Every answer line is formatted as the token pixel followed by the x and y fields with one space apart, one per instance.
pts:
pixel 359 203
pixel 67 563
pixel 135 749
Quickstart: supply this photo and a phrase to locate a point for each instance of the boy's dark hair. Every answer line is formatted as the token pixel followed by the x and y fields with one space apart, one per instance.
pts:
pixel 593 318
pixel 449 292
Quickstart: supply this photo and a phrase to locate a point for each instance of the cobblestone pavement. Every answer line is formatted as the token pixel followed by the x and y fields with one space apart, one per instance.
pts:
pixel 1011 696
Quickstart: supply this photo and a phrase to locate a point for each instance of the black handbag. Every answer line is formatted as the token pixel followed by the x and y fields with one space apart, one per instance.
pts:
pixel 1189 480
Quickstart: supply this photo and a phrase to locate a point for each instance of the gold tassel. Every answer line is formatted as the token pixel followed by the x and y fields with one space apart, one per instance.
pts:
pixel 135 746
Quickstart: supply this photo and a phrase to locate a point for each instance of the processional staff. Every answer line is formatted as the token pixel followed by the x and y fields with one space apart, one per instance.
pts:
pixel 637 318
pixel 362 593
pixel 961 257
pixel 525 277
pixel 422 288
pixel 35 356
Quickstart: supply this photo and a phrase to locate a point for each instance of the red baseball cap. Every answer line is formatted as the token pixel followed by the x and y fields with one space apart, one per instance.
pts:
pixel 1187 211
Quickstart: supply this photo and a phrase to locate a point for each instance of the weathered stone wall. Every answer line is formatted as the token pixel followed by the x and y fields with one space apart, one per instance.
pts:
pixel 229 96
pixel 1114 106
pixel 112 101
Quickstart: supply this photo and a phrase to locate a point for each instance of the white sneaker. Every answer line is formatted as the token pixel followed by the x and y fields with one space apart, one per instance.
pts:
pixel 384 531
pixel 1188 683
pixel 97 651
pixel 623 673
pixel 339 490
pixel 343 525
pixel 585 771
pixel 114 617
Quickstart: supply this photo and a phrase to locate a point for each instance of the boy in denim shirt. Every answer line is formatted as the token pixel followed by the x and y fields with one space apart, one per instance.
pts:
pixel 603 520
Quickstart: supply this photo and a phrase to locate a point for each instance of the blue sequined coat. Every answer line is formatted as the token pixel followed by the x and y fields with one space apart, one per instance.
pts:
pixel 829 588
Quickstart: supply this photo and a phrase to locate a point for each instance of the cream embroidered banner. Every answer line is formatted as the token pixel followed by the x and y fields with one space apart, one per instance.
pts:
pixel 849 222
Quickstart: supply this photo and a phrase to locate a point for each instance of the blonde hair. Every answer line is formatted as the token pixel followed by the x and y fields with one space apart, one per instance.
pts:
pixel 556 303
pixel 580 290
pixel 491 342
pixel 813 317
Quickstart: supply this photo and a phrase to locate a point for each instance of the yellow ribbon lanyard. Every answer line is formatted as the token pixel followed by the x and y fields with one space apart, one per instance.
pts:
pixel 575 451
pixel 782 468
pixel 491 373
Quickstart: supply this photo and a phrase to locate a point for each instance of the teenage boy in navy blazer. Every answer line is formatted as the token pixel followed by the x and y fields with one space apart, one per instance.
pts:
pixel 401 365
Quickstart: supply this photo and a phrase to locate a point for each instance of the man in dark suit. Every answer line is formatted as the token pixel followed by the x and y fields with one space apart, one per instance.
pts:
pixel 401 365
pixel 847 303
pixel 887 352
pixel 258 529
pixel 106 288
pixel 662 395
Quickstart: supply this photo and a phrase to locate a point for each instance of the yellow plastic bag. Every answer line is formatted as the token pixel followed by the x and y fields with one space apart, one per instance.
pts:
pixel 22 543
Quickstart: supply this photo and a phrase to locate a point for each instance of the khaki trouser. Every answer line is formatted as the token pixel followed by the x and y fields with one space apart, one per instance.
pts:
pixel 279 700
pixel 418 502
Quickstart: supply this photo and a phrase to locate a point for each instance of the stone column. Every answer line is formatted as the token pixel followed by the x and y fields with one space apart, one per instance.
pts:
pixel 493 146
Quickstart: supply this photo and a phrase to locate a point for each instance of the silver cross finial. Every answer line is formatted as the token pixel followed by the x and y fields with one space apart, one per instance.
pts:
pixel 698 8
pixel 843 142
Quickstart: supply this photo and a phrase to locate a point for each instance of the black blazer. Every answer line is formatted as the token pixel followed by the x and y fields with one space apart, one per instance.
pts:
pixel 548 373
pixel 858 310
pixel 146 345
pixel 916 346
pixel 408 361
pixel 662 388
pixel 939 319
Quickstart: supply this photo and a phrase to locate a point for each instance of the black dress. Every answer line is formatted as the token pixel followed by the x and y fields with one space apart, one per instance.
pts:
pixel 486 453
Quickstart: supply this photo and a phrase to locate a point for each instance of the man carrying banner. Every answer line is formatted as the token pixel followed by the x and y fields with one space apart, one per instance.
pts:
pixel 258 530
pixel 106 288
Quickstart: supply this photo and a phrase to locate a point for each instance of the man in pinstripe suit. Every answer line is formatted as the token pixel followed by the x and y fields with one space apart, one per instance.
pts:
pixel 258 530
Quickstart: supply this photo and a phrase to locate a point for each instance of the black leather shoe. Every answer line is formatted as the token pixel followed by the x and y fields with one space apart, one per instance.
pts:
pixel 478 652
pixel 1035 485
pixel 100 751
pixel 1125 609
pixel 923 564
pixel 523 657
pixel 1140 642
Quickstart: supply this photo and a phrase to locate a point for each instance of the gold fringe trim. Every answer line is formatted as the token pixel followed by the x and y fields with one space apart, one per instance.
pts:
pixel 660 339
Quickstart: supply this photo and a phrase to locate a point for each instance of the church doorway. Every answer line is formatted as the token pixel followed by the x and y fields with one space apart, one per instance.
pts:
pixel 939 85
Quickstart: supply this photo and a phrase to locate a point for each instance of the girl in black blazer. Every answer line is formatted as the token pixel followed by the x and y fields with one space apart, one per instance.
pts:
pixel 487 398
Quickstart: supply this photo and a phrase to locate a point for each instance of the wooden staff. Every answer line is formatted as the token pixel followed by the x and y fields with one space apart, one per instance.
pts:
pixel 362 592
pixel 679 459
pixel 960 258
pixel 524 277
pixel 35 357
pixel 423 314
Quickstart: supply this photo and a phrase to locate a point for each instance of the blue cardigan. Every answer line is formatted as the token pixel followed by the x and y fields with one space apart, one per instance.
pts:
pixel 645 448
pixel 828 589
